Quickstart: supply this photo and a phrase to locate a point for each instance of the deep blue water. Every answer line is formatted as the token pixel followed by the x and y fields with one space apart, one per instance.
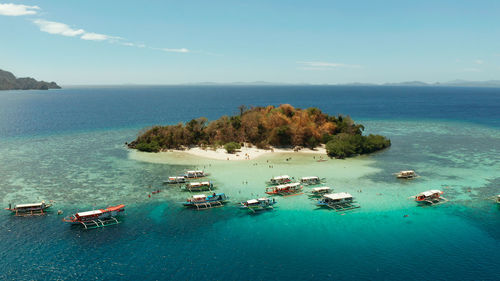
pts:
pixel 67 144
pixel 35 112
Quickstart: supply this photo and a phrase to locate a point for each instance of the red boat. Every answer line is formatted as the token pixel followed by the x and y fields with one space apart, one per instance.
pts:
pixel 96 218
pixel 284 189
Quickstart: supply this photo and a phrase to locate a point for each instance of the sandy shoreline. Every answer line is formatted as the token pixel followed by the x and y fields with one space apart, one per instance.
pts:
pixel 245 153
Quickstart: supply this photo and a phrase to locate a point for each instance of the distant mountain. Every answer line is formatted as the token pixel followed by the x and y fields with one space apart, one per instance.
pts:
pixel 9 82
pixel 408 83
pixel 465 83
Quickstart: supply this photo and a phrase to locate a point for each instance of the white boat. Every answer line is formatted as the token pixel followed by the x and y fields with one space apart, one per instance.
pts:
pixel 29 209
pixel 199 186
pixel 258 204
pixel 319 191
pixel 195 174
pixel 339 201
pixel 175 180
pixel 284 189
pixel 311 180
pixel 409 174
pixel 430 197
pixel 284 179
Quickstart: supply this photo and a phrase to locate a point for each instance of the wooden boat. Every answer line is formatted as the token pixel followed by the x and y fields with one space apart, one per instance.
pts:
pixel 284 179
pixel 32 209
pixel 195 174
pixel 341 201
pixel 429 197
pixel 199 186
pixel 409 174
pixel 284 189
pixel 311 180
pixel 96 218
pixel 202 201
pixel 258 204
pixel 319 191
pixel 175 180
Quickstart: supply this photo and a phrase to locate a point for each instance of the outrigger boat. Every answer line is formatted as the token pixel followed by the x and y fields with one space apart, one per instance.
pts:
pixel 410 174
pixel 199 186
pixel 33 209
pixel 258 204
pixel 430 197
pixel 341 201
pixel 195 174
pixel 175 180
pixel 311 180
pixel 284 189
pixel 279 180
pixel 202 201
pixel 96 218
pixel 319 191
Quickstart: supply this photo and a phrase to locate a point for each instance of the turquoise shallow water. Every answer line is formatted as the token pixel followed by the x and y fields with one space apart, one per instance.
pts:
pixel 159 239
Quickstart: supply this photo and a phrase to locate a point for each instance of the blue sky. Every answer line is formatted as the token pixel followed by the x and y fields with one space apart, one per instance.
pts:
pixel 171 42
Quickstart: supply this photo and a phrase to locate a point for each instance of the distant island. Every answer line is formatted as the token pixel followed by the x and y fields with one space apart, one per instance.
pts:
pixel 266 128
pixel 9 82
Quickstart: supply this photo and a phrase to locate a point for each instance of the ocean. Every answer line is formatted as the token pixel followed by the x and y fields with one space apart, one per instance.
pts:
pixel 68 146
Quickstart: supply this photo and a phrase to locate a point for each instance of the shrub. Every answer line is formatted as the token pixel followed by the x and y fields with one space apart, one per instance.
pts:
pixel 148 147
pixel 231 147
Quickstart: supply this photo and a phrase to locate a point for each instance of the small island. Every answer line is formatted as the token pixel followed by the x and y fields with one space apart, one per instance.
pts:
pixel 9 82
pixel 265 128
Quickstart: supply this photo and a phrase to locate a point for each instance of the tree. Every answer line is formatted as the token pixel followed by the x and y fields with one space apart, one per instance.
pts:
pixel 231 147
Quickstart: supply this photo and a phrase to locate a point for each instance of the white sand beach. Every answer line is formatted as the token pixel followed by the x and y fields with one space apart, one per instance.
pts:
pixel 244 153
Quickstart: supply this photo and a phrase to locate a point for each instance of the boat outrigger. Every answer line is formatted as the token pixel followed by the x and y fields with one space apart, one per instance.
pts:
pixel 279 180
pixel 254 205
pixel 175 180
pixel 32 209
pixel 284 189
pixel 97 218
pixel 409 174
pixel 341 201
pixel 430 197
pixel 311 180
pixel 199 186
pixel 202 201
pixel 195 174
pixel 319 191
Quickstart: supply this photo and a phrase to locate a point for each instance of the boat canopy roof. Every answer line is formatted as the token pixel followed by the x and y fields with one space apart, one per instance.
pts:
pixel 309 178
pixel 252 201
pixel 30 205
pixel 285 186
pixel 194 172
pixel 205 183
pixel 338 196
pixel 407 172
pixel 195 183
pixel 281 177
pixel 89 213
pixel 265 198
pixel 430 192
pixel 199 196
pixel 323 188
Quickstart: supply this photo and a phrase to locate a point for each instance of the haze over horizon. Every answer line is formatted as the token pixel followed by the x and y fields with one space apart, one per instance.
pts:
pixel 316 42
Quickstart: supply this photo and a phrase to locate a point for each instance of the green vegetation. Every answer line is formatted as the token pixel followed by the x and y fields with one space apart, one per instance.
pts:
pixel 9 82
pixel 264 127
pixel 344 145
pixel 231 147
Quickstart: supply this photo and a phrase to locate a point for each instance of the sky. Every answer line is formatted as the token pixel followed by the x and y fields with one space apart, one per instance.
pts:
pixel 284 41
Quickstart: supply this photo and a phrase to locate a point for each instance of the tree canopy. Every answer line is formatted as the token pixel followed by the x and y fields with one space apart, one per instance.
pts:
pixel 281 126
